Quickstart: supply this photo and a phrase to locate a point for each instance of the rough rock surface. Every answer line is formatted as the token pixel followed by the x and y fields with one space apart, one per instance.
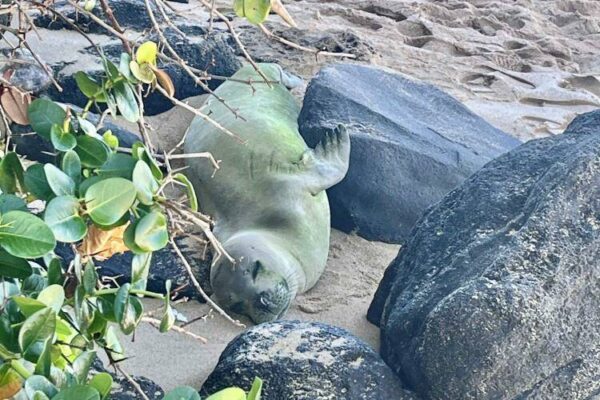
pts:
pixel 305 361
pixel 496 294
pixel 123 390
pixel 411 144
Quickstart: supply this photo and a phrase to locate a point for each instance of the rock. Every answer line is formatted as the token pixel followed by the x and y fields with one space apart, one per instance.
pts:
pixel 495 296
pixel 123 390
pixel 411 144
pixel 166 265
pixel 304 361
pixel 131 14
pixel 211 53
pixel 24 72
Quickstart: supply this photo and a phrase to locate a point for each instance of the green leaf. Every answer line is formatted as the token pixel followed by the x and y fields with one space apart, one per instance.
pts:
pixel 91 151
pixel 128 309
pixel 191 193
pixel 44 363
pixel 182 393
pixel 11 172
pixel 62 216
pixel 167 320
pixel 102 382
pixel 10 202
pixel 61 140
pixel 256 390
pixel 36 183
pixel 113 345
pixel 37 383
pixel 151 232
pixel 87 183
pixel 126 101
pixel 118 165
pixel 255 11
pixel 124 68
pixel 140 266
pixel 140 152
pixel 61 183
pixel 43 114
pixel 88 86
pixel 53 296
pixel 108 200
pixel 88 128
pixel 55 272
pixel 82 364
pixel 105 304
pixel 71 165
pixel 129 239
pixel 90 278
pixel 233 393
pixel 111 69
pixel 145 183
pixel 35 331
pixel 78 392
pixel 25 235
pixel 13 267
pixel 28 306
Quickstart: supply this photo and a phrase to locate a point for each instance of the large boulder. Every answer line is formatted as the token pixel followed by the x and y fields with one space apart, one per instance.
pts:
pixel 496 294
pixel 305 361
pixel 411 144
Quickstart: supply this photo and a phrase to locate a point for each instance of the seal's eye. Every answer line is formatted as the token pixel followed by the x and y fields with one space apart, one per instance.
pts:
pixel 256 269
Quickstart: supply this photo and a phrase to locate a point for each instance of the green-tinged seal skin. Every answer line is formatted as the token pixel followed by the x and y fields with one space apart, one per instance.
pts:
pixel 268 197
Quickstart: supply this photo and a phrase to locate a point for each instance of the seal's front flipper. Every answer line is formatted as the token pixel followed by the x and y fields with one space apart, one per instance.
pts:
pixel 327 164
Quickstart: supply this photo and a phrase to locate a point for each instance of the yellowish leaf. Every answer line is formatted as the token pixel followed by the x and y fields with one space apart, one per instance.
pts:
pixel 10 384
pixel 278 8
pixel 102 245
pixel 164 80
pixel 147 53
pixel 143 72
pixel 15 104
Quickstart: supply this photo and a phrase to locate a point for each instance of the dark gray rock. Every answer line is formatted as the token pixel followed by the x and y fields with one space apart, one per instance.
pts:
pixel 305 361
pixel 411 144
pixel 212 54
pixel 123 389
pixel 131 14
pixel 24 72
pixel 496 294
pixel 165 265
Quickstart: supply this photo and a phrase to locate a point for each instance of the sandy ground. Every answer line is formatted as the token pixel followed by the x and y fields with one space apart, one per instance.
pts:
pixel 341 298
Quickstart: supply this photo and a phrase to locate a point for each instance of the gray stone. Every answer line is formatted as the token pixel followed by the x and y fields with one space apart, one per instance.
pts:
pixel 24 72
pixel 411 144
pixel 496 294
pixel 305 361
pixel 123 389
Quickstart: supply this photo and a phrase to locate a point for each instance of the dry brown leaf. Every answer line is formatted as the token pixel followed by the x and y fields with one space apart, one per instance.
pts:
pixel 11 386
pixel 102 245
pixel 164 80
pixel 15 104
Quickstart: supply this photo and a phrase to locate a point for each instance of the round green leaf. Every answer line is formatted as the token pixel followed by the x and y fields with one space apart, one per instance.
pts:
pixel 255 11
pixel 53 296
pixel 102 382
pixel 79 392
pixel 71 165
pixel 62 216
pixel 25 235
pixel 126 101
pixel 61 140
pixel 118 165
pixel 129 239
pixel 13 267
pixel 36 182
pixel 10 202
pixel 87 85
pixel 35 331
pixel 91 151
pixel 151 232
pixel 108 200
pixel 191 193
pixel 11 172
pixel 144 182
pixel 43 114
pixel 182 393
pixel 60 183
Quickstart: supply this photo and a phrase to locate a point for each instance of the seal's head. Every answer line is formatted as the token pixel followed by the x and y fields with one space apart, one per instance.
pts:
pixel 257 284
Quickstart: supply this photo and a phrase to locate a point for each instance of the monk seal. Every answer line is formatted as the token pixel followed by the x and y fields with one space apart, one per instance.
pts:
pixel 268 198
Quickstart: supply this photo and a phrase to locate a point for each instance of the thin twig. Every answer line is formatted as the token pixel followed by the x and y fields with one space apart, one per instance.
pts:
pixel 132 381
pixel 199 288
pixel 156 323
